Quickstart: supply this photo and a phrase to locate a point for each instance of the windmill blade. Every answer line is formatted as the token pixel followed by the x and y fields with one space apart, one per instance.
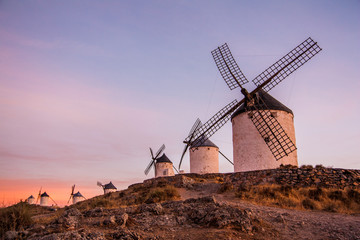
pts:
pixel 53 200
pixel 149 166
pixel 271 131
pixel 161 149
pixel 286 65
pixel 188 140
pixel 38 197
pixel 226 157
pixel 228 68
pixel 152 154
pixel 196 125
pixel 215 123
pixel 71 196
pixel 183 154
pixel 72 193
pixel 72 189
pixel 175 169
pixel 100 184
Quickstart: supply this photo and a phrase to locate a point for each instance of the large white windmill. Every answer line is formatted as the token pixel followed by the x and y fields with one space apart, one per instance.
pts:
pixel 263 133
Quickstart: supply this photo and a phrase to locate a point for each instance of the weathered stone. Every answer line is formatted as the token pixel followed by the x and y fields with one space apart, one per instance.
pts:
pixel 9 235
pixel 155 208
pixel 122 219
pixel 96 212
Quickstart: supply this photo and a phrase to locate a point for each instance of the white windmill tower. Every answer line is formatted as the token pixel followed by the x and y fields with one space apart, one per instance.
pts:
pixel 77 197
pixel 272 142
pixel 44 199
pixel 107 187
pixel 204 154
pixel 162 165
pixel 30 200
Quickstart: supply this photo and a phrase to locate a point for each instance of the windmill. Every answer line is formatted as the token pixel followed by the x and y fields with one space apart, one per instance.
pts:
pixel 162 165
pixel 30 200
pixel 204 155
pixel 107 187
pixel 44 198
pixel 274 141
pixel 77 197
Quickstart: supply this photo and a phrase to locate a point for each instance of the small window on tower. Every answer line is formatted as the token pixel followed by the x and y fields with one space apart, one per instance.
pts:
pixel 165 173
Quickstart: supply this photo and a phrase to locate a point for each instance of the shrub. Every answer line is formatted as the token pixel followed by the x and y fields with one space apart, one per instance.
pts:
pixel 353 195
pixel 336 195
pixel 309 204
pixel 162 194
pixel 100 202
pixel 315 194
pixel 15 217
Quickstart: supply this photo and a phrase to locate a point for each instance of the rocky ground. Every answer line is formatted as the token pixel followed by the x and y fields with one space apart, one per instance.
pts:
pixel 199 212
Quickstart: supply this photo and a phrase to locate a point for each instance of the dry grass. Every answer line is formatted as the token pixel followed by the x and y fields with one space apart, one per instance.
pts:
pixel 324 199
pixel 133 196
pixel 15 217
pixel 160 194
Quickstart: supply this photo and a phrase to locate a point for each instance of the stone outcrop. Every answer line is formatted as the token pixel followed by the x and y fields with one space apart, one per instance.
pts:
pixel 203 212
pixel 302 177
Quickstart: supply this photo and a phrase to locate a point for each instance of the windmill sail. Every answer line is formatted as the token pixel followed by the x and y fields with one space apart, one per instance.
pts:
pixel 287 64
pixel 215 122
pixel 153 158
pixel 228 68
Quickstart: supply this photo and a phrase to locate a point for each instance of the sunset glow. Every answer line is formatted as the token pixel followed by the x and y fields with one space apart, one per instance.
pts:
pixel 86 87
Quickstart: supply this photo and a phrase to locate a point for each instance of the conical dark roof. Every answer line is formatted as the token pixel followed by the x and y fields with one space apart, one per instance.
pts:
pixel 270 101
pixel 109 186
pixel 78 194
pixel 163 158
pixel 44 195
pixel 31 197
pixel 206 143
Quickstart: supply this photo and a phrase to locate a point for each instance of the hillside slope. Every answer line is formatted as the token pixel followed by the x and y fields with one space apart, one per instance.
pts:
pixel 211 206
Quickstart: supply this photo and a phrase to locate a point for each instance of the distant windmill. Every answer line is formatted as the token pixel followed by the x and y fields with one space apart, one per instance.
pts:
pixel 77 197
pixel 162 165
pixel 272 142
pixel 44 198
pixel 30 200
pixel 107 187
pixel 204 155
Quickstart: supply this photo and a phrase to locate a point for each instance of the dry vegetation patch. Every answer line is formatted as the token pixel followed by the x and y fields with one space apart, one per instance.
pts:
pixel 132 196
pixel 15 218
pixel 312 198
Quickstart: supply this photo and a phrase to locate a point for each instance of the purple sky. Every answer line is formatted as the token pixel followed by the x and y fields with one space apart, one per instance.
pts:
pixel 86 87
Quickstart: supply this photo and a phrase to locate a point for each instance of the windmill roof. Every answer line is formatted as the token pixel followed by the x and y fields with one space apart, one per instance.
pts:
pixel 78 194
pixel 163 158
pixel 206 143
pixel 31 197
pixel 44 195
pixel 270 102
pixel 109 186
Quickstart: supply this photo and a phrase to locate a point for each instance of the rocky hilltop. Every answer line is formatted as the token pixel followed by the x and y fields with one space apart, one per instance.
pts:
pixel 285 203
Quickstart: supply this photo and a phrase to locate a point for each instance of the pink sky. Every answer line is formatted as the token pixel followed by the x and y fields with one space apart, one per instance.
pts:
pixel 87 87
